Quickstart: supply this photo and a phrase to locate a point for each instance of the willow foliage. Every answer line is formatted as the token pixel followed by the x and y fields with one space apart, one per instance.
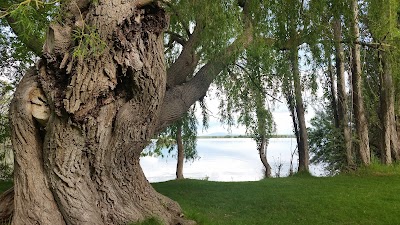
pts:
pixel 166 140
pixel 23 27
pixel 219 21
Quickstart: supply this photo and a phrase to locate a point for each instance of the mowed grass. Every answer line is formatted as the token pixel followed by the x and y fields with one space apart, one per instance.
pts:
pixel 344 199
pixel 363 198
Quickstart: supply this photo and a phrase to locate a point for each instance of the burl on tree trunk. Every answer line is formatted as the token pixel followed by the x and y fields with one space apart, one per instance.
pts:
pixel 80 123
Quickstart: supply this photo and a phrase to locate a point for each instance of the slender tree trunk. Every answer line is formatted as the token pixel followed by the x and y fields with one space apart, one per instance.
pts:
pixel 303 147
pixel 293 115
pixel 358 100
pixel 262 146
pixel 342 94
pixel 390 145
pixel 181 153
pixel 332 89
pixel 263 124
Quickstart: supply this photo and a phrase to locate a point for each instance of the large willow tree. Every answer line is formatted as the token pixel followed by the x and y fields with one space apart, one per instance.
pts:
pixel 99 92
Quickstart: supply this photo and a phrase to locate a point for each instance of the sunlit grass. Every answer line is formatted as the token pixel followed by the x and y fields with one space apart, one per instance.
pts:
pixel 377 169
pixel 303 199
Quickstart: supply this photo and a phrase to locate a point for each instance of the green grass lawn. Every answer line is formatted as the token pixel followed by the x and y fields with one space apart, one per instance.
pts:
pixel 295 200
pixel 345 199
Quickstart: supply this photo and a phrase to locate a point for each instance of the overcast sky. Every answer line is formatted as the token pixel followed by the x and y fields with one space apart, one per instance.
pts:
pixel 280 113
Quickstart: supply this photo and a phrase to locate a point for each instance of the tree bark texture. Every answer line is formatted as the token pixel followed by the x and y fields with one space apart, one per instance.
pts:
pixel 187 61
pixel 390 145
pixel 181 153
pixel 358 100
pixel 80 123
pixel 33 201
pixel 304 160
pixel 342 102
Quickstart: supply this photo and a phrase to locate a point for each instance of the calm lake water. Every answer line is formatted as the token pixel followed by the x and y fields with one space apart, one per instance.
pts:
pixel 227 159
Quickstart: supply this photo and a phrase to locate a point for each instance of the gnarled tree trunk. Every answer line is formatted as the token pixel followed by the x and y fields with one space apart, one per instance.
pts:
pixel 80 123
pixel 77 162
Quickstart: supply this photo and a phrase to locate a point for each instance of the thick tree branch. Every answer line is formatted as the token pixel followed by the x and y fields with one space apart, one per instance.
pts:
pixel 178 99
pixel 186 63
pixel 176 38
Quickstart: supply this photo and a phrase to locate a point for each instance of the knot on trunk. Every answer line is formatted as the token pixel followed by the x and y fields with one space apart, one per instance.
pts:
pixel 39 107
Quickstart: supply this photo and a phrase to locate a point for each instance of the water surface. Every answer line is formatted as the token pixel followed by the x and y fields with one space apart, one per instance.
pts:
pixel 228 159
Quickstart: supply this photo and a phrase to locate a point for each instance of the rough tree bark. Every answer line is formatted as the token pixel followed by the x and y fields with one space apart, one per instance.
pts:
pixel 79 124
pixel 358 100
pixel 182 69
pixel 304 160
pixel 181 153
pixel 342 102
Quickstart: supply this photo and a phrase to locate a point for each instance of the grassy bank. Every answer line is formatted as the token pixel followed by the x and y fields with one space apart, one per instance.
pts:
pixel 370 198
pixel 297 200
